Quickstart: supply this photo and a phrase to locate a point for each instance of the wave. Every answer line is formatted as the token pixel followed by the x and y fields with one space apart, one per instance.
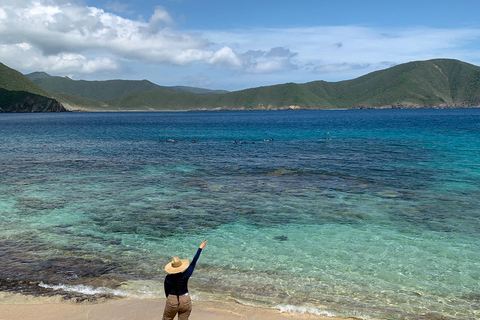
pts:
pixel 90 290
pixel 304 310
pixel 295 310
pixel 137 293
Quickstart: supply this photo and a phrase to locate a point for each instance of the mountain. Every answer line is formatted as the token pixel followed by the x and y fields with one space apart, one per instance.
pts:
pixel 434 83
pixel 19 94
pixel 105 90
pixel 438 82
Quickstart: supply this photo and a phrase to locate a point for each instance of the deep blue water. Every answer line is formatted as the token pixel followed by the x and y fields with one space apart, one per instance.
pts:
pixel 369 212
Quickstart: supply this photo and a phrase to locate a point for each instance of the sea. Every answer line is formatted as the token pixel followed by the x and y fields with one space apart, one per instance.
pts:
pixel 373 214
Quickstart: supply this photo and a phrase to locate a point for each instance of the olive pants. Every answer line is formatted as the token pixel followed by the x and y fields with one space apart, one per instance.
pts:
pixel 181 305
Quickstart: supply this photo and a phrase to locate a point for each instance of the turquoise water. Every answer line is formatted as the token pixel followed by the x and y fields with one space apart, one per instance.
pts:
pixel 373 213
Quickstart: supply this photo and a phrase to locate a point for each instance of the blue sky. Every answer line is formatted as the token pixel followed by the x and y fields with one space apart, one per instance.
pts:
pixel 232 45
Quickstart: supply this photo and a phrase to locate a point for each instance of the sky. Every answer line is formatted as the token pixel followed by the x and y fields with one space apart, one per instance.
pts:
pixel 229 44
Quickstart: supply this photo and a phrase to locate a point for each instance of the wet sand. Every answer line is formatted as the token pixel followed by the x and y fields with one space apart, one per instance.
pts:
pixel 19 307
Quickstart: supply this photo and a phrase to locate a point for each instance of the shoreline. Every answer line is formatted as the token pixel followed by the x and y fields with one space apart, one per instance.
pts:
pixel 92 110
pixel 15 306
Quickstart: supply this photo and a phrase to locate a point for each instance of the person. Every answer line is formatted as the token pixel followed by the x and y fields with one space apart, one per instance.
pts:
pixel 176 289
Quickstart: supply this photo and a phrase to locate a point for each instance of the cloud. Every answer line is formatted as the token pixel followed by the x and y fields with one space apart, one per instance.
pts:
pixel 56 32
pixel 66 32
pixel 280 52
pixel 159 20
pixel 67 37
pixel 277 59
pixel 199 80
pixel 120 7
pixel 315 50
pixel 271 66
pixel 225 57
pixel 336 67
pixel 76 63
pixel 64 63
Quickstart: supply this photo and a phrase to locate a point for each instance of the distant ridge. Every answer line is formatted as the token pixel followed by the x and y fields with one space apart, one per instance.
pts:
pixel 432 83
pixel 105 90
pixel 437 83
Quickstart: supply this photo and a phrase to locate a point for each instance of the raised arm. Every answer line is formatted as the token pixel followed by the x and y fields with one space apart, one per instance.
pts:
pixel 191 267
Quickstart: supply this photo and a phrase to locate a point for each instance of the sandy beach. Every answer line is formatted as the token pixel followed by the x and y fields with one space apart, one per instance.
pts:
pixel 19 307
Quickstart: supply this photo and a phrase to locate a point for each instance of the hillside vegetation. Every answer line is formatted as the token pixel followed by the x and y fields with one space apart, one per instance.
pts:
pixel 12 80
pixel 19 94
pixel 105 90
pixel 433 83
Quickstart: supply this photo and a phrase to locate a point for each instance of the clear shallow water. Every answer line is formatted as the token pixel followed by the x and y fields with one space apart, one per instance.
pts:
pixel 373 213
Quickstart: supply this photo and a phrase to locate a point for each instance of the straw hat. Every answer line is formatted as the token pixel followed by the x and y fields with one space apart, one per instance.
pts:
pixel 177 265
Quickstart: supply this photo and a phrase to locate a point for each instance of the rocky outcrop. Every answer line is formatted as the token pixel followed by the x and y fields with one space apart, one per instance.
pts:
pixel 22 101
pixel 408 105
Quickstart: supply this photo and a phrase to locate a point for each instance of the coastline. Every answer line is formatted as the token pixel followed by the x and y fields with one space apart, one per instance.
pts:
pixel 359 107
pixel 22 307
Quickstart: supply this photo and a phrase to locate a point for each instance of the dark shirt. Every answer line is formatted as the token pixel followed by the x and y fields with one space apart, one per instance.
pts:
pixel 176 284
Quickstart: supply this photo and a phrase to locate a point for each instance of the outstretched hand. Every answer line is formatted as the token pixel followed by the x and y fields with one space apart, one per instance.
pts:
pixel 203 244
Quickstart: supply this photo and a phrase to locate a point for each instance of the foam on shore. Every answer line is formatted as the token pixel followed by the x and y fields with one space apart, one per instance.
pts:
pixel 16 306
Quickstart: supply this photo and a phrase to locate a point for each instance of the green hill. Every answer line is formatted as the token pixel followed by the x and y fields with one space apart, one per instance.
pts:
pixel 13 80
pixel 439 82
pixel 432 83
pixel 19 94
pixel 105 90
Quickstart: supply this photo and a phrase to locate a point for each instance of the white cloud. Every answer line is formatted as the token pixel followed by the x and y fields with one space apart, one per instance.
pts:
pixel 76 63
pixel 64 63
pixel 270 66
pixel 344 51
pixel 159 20
pixel 337 67
pixel 3 14
pixel 66 37
pixel 57 31
pixel 227 58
